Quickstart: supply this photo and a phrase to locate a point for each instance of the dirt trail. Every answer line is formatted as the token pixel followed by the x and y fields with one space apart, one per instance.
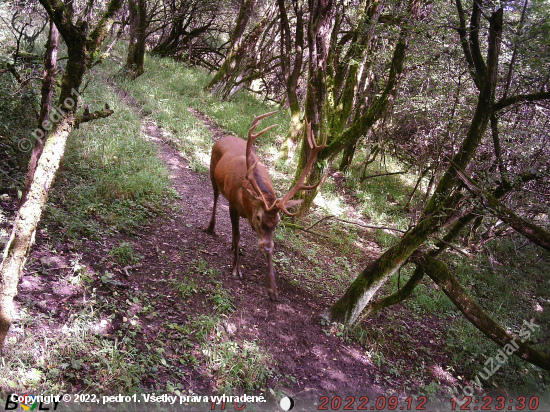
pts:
pixel 290 330
pixel 307 363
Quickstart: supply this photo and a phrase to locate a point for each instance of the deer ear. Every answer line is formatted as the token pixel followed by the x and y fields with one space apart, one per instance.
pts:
pixel 292 203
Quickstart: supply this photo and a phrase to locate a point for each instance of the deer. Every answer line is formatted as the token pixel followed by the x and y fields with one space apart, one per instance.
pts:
pixel 237 173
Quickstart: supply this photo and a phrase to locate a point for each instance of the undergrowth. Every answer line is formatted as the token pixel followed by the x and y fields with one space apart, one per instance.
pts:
pixel 112 181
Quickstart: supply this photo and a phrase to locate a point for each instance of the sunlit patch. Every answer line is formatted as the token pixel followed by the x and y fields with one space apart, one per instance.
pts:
pixel 101 326
pixel 356 355
pixel 34 375
pixel 360 245
pixel 202 157
pixel 443 375
pixel 331 205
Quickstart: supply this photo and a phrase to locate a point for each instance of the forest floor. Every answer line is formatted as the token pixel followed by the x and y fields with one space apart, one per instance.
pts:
pixel 184 275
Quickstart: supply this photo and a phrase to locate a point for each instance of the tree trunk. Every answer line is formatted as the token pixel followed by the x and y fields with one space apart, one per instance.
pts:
pixel 440 274
pixel 238 75
pixel 362 125
pixel 50 62
pixel 23 233
pixel 230 61
pixel 348 73
pixel 136 45
pixel 349 308
pixel 531 231
pixel 318 37
pixel 81 49
pixel 292 76
pixel 347 156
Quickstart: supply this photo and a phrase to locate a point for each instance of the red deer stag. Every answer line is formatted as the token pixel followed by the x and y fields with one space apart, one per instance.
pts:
pixel 236 172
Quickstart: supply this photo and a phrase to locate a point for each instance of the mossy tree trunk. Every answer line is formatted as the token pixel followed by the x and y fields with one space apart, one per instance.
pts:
pixel 230 62
pixel 247 63
pixel 349 308
pixel 341 105
pixel 528 229
pixel 48 81
pixel 185 21
pixel 136 44
pixel 462 219
pixel 319 30
pixel 356 302
pixel 346 74
pixel 83 47
pixel 442 276
pixel 292 75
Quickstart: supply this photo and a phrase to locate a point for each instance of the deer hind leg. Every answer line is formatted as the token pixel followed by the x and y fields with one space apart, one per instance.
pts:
pixel 234 214
pixel 212 223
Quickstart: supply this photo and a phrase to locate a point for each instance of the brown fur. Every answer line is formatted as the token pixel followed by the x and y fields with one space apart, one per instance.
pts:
pixel 228 174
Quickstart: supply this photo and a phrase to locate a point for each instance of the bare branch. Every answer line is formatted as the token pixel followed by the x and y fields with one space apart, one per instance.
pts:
pixel 508 101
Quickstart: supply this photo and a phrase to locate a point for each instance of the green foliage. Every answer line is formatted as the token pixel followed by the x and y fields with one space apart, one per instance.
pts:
pixel 509 282
pixel 235 364
pixel 170 90
pixel 74 352
pixel 111 180
pixel 17 121
pixel 187 287
pixel 430 390
pixel 433 301
pixel 382 198
pixel 125 254
pixel 110 175
pixel 19 103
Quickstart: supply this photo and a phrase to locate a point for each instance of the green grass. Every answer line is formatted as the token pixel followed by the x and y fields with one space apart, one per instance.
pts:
pixel 124 254
pixel 186 287
pixel 509 282
pixel 111 178
pixel 237 364
pixel 49 362
pixel 112 181
pixel 232 363
pixel 167 90
pixel 170 89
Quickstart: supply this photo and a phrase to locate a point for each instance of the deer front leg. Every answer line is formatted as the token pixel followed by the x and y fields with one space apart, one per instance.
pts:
pixel 270 284
pixel 212 224
pixel 234 214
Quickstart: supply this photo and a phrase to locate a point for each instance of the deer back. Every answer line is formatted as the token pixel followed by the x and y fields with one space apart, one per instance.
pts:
pixel 228 169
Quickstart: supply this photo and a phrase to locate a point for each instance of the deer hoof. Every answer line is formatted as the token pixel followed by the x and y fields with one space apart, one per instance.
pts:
pixel 273 296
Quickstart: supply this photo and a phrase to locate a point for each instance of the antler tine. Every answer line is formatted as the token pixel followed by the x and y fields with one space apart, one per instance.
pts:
pixel 285 211
pixel 250 167
pixel 315 149
pixel 252 136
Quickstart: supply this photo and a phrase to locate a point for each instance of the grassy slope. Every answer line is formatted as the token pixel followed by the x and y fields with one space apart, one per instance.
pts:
pixel 112 181
pixel 379 203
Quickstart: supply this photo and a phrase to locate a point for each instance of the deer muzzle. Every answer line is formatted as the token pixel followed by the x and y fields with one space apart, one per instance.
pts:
pixel 265 246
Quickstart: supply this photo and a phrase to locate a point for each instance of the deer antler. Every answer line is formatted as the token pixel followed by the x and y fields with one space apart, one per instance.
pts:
pixel 315 149
pixel 249 161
